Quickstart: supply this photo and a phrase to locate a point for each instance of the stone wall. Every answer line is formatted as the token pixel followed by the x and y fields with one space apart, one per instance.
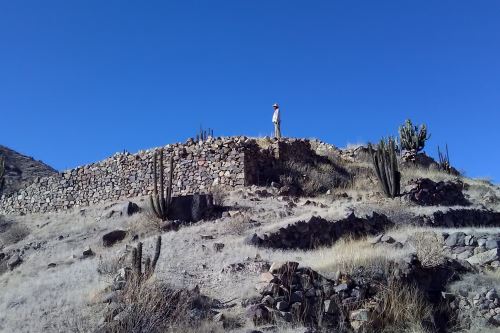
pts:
pixel 230 162
pixel 197 167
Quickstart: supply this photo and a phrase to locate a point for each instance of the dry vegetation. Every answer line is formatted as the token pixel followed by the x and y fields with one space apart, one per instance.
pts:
pixel 404 308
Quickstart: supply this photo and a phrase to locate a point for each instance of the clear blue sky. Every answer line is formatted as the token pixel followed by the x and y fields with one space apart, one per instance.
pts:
pixel 80 80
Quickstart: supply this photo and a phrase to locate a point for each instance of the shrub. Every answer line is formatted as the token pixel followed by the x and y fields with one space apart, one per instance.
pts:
pixel 154 306
pixel 429 247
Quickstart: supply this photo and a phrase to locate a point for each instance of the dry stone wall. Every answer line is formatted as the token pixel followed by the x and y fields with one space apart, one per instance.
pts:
pixel 230 162
pixel 197 167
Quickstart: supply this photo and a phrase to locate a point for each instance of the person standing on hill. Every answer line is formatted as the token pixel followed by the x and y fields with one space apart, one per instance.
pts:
pixel 277 121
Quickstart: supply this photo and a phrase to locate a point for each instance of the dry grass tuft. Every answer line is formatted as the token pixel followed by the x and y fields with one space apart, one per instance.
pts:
pixel 153 306
pixel 414 172
pixel 108 267
pixel 13 234
pixel 315 178
pixel 238 225
pixel 219 195
pixel 404 308
pixel 347 255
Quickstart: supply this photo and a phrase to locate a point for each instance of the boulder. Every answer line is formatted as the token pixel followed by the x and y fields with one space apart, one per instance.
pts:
pixel 360 319
pixel 15 261
pixel 87 252
pixel 492 244
pixel 110 238
pixel 426 192
pixel 455 239
pixel 129 208
pixel 191 208
pixel 485 257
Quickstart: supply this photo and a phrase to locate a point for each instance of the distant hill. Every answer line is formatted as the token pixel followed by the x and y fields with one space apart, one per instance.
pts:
pixel 21 170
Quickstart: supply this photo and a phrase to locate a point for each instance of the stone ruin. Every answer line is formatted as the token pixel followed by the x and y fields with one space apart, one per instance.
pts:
pixel 230 162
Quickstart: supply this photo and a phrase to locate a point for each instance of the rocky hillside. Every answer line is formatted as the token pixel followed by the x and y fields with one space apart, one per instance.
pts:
pixel 22 170
pixel 317 248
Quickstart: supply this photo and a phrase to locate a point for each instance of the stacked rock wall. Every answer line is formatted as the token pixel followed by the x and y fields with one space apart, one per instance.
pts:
pixel 230 162
pixel 197 167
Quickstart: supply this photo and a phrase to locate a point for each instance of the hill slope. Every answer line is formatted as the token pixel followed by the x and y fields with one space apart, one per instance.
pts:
pixel 21 170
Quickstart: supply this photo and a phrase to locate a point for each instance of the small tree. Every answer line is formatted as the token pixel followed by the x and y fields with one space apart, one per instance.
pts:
pixel 413 138
pixel 386 167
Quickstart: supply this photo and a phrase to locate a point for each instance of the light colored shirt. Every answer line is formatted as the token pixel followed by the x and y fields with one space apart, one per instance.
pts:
pixel 276 116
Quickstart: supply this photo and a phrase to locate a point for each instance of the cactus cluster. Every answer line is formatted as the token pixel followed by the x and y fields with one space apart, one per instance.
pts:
pixel 444 160
pixel 413 138
pixel 386 167
pixel 149 266
pixel 161 201
pixel 204 134
pixel 2 172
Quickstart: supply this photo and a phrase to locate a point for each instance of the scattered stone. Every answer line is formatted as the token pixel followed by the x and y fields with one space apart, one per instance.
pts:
pixel 455 239
pixel 485 257
pixel 218 247
pixel 426 192
pixel 15 261
pixel 87 252
pixel 282 306
pixel 129 208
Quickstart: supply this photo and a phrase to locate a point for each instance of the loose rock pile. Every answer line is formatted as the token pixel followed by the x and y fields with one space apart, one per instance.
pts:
pixel 486 304
pixel 320 232
pixel 477 248
pixel 457 218
pixel 426 192
pixel 290 293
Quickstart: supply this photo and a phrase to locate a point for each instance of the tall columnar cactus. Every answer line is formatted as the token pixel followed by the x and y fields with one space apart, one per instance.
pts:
pixel 204 134
pixel 2 172
pixel 413 138
pixel 444 160
pixel 161 201
pixel 149 266
pixel 386 167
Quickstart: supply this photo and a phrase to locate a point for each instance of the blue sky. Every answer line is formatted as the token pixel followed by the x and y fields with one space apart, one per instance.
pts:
pixel 80 80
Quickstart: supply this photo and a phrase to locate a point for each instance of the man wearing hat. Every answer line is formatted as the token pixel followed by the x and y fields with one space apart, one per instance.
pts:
pixel 277 121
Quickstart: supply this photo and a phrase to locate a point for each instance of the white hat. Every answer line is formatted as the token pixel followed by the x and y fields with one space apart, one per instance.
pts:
pixel 276 105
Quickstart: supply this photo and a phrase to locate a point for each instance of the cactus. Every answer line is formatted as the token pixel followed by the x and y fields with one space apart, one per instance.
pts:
pixel 386 167
pixel 161 202
pixel 444 160
pixel 204 134
pixel 149 266
pixel 412 138
pixel 2 172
